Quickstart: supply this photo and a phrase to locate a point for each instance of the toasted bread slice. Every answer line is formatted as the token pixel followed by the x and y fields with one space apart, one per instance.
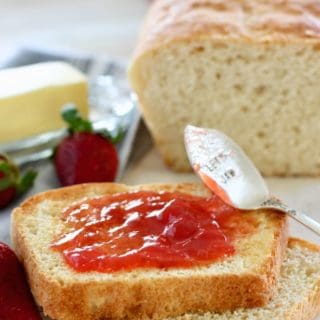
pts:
pixel 246 279
pixel 298 297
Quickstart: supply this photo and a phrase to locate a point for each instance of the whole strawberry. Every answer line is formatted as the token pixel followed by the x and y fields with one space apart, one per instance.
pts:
pixel 16 302
pixel 11 184
pixel 84 156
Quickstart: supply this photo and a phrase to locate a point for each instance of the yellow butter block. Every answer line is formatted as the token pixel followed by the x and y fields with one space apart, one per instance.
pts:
pixel 31 98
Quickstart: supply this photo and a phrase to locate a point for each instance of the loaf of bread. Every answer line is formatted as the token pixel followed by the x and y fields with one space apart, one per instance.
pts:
pixel 298 296
pixel 249 68
pixel 246 279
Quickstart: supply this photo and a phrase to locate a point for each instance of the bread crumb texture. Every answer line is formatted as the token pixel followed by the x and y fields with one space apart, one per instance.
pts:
pixel 248 68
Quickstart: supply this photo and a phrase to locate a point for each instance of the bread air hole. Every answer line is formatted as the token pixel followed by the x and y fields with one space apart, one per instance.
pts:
pixel 301 53
pixel 260 90
pixel 296 129
pixel 261 134
pixel 239 88
pixel 219 6
pixel 244 109
pixel 198 49
pixel 261 57
pixel 310 272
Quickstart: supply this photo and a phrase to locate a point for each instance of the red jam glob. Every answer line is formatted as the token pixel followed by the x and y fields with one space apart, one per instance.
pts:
pixel 147 229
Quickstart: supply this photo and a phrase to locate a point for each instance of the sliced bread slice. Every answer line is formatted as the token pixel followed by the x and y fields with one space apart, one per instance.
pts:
pixel 298 297
pixel 246 279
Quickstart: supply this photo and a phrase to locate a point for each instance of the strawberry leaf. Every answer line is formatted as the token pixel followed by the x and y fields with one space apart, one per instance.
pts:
pixel 8 174
pixel 5 183
pixel 114 138
pixel 5 167
pixel 26 181
pixel 71 115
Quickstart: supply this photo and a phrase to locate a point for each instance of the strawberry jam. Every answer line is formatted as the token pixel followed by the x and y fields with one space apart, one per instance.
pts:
pixel 147 229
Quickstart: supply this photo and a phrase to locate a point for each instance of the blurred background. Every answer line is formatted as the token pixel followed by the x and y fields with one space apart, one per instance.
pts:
pixel 108 27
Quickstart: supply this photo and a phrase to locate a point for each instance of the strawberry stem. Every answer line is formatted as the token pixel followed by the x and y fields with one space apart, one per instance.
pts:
pixel 71 115
pixel 8 174
pixel 26 181
pixel 114 138
pixel 5 167
pixel 5 183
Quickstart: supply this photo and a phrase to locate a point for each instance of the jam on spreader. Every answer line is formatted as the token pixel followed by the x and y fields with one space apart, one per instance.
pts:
pixel 147 229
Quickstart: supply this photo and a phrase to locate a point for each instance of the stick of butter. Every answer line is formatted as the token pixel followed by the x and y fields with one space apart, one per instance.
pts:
pixel 31 98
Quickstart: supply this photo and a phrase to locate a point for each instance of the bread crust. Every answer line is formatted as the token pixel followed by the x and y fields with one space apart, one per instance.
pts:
pixel 250 21
pixel 310 307
pixel 82 297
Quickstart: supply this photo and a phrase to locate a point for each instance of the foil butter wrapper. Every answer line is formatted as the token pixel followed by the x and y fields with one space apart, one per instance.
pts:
pixel 112 103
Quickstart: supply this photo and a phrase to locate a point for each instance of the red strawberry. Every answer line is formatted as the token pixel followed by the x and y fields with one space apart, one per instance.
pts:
pixel 16 301
pixel 10 182
pixel 7 196
pixel 84 156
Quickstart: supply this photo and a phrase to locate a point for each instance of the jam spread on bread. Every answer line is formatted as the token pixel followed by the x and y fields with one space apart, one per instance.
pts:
pixel 146 229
